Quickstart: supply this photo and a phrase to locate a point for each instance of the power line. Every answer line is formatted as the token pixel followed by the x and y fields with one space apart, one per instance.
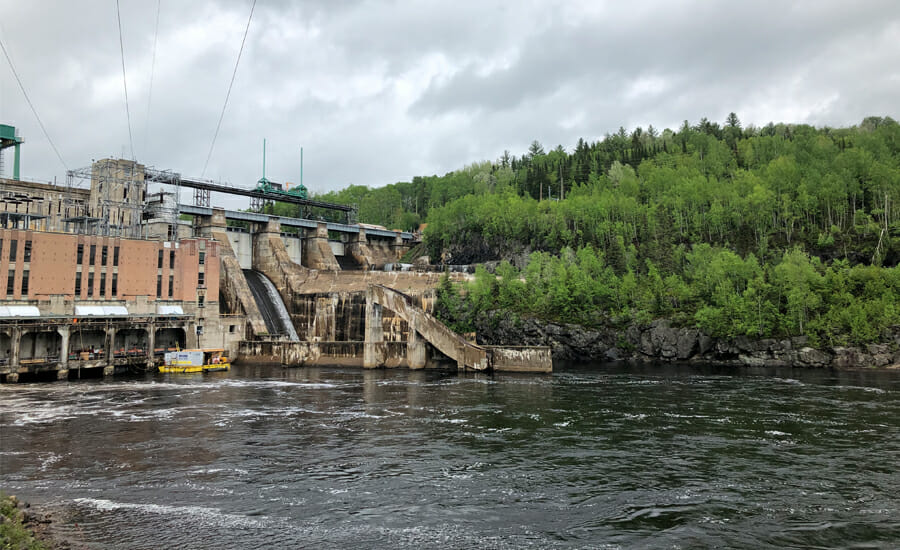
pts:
pixel 152 67
pixel 124 80
pixel 33 110
pixel 227 95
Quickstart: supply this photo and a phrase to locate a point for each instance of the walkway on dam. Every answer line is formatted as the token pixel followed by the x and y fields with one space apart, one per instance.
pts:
pixel 424 327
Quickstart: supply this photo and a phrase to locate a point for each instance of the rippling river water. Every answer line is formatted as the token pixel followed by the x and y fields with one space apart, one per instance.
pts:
pixel 608 457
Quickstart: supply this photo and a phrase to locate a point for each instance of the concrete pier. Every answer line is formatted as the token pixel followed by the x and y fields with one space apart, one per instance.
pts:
pixel 53 346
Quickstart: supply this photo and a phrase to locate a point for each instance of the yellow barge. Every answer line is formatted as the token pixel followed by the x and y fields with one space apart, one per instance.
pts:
pixel 195 360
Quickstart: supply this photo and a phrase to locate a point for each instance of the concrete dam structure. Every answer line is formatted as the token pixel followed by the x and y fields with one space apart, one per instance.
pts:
pixel 362 317
pixel 107 279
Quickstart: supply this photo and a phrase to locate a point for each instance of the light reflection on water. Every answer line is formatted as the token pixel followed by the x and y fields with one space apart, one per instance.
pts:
pixel 603 456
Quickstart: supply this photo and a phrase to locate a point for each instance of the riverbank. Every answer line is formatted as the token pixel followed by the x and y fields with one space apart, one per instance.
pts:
pixel 21 528
pixel 660 341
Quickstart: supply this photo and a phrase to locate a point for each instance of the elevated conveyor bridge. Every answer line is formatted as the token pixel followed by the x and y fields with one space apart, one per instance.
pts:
pixel 205 187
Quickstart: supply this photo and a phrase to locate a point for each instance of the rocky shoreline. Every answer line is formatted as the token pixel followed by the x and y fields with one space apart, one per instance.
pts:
pixel 26 529
pixel 660 341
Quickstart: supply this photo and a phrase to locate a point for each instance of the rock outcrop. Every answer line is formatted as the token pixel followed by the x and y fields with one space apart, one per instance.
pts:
pixel 660 341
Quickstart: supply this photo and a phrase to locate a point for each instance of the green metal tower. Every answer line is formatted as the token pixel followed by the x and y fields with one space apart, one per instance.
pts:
pixel 8 138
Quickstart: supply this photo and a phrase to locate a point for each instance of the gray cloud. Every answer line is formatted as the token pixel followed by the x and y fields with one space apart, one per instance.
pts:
pixel 378 92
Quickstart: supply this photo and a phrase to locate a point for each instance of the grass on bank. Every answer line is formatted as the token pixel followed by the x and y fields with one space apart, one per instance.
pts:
pixel 13 533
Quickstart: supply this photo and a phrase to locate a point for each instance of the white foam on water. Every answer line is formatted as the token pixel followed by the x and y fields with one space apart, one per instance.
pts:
pixel 190 514
pixel 239 471
pixel 48 414
pixel 860 388
pixel 229 382
pixel 791 381
pixel 50 460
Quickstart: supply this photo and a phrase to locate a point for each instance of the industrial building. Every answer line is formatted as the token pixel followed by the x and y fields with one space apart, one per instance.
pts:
pixel 98 275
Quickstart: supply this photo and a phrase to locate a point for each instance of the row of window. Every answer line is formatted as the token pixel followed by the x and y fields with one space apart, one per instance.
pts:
pixel 14 249
pixel 159 286
pixel 159 259
pixel 92 255
pixel 11 283
pixel 114 287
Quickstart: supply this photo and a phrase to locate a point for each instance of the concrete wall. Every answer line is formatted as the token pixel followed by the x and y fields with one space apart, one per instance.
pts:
pixel 242 246
pixel 344 354
pixel 317 253
pixel 339 316
pixel 234 290
pixel 521 358
pixel 294 247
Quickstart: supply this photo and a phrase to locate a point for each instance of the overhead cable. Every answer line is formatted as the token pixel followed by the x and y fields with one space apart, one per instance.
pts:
pixel 228 94
pixel 124 80
pixel 31 105
pixel 152 67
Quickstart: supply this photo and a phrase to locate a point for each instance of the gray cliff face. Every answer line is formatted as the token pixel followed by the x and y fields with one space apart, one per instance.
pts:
pixel 659 341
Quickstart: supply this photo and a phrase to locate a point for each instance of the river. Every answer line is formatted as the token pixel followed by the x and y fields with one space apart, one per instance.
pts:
pixel 601 456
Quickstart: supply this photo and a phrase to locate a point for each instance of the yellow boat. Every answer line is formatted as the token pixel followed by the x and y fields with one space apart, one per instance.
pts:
pixel 195 360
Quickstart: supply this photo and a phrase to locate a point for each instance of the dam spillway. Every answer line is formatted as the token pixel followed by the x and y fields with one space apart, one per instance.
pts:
pixel 275 314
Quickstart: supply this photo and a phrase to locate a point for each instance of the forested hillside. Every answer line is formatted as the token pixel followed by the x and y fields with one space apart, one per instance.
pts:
pixel 779 230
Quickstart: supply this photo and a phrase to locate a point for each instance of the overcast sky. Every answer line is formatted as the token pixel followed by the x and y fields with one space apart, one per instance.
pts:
pixel 379 92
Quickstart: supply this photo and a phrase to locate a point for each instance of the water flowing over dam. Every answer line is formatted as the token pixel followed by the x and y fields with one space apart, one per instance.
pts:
pixel 270 304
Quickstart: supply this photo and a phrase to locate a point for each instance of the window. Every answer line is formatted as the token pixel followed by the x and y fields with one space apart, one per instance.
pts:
pixel 200 300
pixel 12 250
pixel 80 259
pixel 171 285
pixel 93 255
pixel 25 283
pixel 1 246
pixel 114 291
pixel 201 279
pixel 90 284
pixel 230 328
pixel 103 284
pixel 202 258
pixel 78 284
pixel 115 256
pixel 159 260
pixel 104 253
pixel 26 252
pixel 171 259
pixel 11 283
pixel 159 285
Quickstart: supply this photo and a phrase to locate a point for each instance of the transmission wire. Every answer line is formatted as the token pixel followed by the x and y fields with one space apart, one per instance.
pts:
pixel 227 95
pixel 33 110
pixel 124 80
pixel 152 67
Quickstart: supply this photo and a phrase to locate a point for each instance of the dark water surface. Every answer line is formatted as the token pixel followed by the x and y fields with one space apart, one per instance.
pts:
pixel 602 457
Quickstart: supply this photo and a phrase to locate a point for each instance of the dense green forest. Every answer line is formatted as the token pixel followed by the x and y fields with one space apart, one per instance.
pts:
pixel 780 230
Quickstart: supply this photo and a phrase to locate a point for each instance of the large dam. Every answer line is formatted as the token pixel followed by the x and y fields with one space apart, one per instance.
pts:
pixel 103 277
